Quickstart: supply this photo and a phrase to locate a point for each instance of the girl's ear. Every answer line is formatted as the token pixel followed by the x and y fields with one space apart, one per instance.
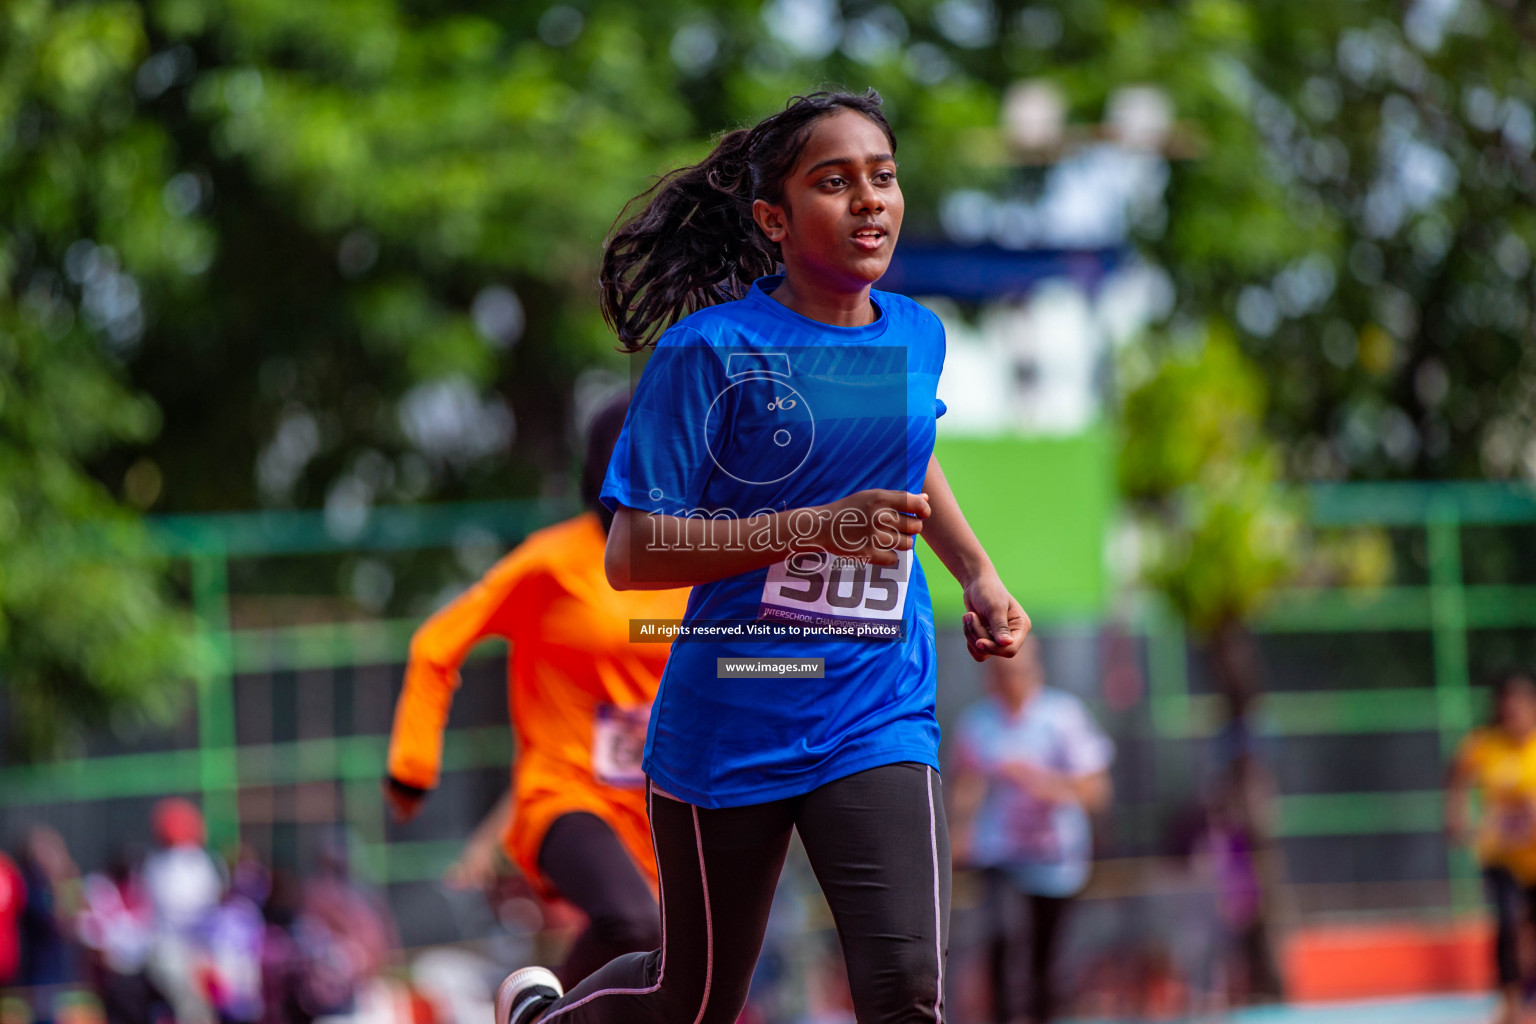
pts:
pixel 770 218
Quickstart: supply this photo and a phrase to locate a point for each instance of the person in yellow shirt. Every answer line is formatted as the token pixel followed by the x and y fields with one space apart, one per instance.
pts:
pixel 1498 762
pixel 579 692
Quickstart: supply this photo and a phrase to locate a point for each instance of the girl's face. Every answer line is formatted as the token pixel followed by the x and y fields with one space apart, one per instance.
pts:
pixel 840 213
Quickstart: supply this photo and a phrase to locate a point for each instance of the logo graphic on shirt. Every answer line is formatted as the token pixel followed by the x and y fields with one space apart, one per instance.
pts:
pixel 770 425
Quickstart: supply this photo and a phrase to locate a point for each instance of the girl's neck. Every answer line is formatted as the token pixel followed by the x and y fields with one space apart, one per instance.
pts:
pixel 828 305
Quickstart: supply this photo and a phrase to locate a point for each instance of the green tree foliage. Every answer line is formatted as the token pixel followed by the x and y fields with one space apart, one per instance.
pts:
pixel 346 249
pixel 1378 265
pixel 85 627
pixel 1220 526
pixel 1197 463
pixel 349 179
pixel 1356 208
pixel 380 178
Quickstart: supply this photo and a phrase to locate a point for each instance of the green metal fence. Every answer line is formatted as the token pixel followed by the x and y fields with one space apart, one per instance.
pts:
pixel 217 767
pixel 1445 606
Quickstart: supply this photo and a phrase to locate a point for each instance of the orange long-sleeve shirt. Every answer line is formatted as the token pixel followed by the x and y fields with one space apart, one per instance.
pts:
pixel 576 686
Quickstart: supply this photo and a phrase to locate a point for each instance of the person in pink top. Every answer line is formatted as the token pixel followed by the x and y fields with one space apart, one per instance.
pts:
pixel 13 897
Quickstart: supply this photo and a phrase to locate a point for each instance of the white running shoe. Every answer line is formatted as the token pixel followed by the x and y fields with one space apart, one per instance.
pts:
pixel 526 993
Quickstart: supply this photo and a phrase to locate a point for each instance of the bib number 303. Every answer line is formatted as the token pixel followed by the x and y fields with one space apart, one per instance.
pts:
pixel 813 586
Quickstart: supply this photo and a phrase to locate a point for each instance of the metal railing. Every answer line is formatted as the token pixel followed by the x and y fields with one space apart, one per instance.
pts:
pixel 1445 608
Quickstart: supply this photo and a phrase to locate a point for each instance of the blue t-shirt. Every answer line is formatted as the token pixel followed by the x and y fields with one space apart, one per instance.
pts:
pixel 1045 847
pixel 748 406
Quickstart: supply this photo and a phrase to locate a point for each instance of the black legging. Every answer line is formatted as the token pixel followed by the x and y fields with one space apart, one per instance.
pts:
pixel 879 846
pixel 1511 901
pixel 593 870
pixel 1043 916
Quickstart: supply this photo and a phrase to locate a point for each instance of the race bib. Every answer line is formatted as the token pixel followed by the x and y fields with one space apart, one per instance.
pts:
pixel 815 587
pixel 618 745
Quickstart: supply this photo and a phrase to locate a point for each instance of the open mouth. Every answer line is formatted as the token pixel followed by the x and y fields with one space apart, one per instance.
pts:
pixel 869 238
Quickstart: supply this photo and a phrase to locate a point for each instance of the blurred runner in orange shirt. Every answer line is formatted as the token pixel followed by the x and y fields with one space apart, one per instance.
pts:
pixel 579 695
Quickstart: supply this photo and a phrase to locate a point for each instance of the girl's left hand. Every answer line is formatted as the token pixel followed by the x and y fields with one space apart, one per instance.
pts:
pixel 995 625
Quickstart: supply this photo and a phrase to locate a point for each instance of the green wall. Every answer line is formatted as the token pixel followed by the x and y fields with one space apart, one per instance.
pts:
pixel 1042 508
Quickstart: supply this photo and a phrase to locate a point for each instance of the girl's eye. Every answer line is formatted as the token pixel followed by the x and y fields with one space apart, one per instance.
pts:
pixel 833 181
pixel 885 177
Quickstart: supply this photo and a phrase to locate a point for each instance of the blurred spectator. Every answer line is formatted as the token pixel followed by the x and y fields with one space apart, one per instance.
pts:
pixel 1225 857
pixel 13 898
pixel 1498 761
pixel 51 881
pixel 116 926
pixel 1031 765
pixel 231 938
pixel 281 967
pixel 183 884
pixel 1245 807
pixel 344 936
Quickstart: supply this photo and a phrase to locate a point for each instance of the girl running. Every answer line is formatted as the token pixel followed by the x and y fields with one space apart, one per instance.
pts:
pixel 1499 762
pixel 778 456
pixel 580 695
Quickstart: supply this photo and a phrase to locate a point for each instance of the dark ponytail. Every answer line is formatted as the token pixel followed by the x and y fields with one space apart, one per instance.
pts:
pixel 694 243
